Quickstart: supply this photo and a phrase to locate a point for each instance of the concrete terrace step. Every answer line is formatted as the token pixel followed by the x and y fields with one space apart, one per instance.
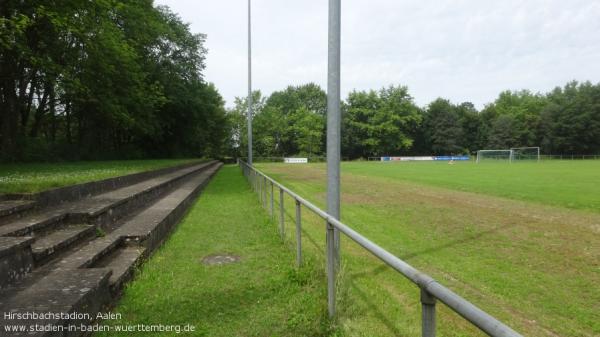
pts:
pixel 91 276
pixel 10 207
pixel 83 292
pixel 33 223
pixel 122 262
pixel 59 240
pixel 100 209
pixel 16 259
pixel 152 225
pixel 143 228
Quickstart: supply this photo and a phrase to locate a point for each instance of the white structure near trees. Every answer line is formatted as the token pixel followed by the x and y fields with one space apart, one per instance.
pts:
pixel 510 155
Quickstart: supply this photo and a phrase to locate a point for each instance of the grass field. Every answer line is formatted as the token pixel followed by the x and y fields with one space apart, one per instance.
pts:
pixel 36 177
pixel 261 295
pixel 521 241
pixel 571 184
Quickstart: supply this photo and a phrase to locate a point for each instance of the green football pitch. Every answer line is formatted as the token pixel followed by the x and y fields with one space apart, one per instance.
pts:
pixel 572 184
pixel 521 241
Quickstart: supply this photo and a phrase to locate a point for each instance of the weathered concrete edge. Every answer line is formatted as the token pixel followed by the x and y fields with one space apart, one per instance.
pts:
pixel 73 192
pixel 161 232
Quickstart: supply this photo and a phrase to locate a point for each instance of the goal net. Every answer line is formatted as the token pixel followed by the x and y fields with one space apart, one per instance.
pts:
pixel 526 153
pixel 494 155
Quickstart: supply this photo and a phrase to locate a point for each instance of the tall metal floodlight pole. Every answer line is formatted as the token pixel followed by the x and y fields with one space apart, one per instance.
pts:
pixel 249 101
pixel 333 146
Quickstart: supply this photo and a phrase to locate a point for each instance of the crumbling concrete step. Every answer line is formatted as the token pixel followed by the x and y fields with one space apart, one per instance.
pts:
pixel 9 207
pixel 91 253
pixel 151 226
pixel 15 259
pixel 122 195
pixel 83 292
pixel 60 240
pixel 33 223
pixel 92 275
pixel 122 262
pixel 101 209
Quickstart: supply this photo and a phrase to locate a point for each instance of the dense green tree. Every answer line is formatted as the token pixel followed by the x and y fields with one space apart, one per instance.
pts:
pixel 238 125
pixel 503 133
pixel 571 121
pixel 292 111
pixel 387 122
pixel 473 129
pixel 103 79
pixel 383 122
pixel 359 138
pixel 443 128
pixel 524 108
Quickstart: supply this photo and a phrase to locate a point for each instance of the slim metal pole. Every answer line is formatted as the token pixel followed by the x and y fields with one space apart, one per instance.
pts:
pixel 428 314
pixel 272 209
pixel 331 270
pixel 264 194
pixel 333 146
pixel 249 116
pixel 281 215
pixel 298 233
pixel 258 185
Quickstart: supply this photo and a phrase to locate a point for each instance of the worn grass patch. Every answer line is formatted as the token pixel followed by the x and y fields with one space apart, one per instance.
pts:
pixel 533 264
pixel 36 177
pixel 261 294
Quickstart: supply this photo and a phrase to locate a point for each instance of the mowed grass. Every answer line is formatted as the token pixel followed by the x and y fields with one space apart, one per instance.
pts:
pixel 261 295
pixel 36 177
pixel 572 184
pixel 524 249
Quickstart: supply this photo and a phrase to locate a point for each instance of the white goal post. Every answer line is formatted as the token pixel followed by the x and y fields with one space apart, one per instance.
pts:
pixel 526 153
pixel 512 154
pixel 494 155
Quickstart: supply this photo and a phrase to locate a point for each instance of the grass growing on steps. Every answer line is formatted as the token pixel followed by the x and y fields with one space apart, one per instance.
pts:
pixel 36 177
pixel 261 295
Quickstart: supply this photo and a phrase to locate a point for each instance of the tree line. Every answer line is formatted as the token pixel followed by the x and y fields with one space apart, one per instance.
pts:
pixel 104 79
pixel 292 122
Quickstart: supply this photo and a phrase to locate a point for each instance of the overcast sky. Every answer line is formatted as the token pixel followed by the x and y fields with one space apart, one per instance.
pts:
pixel 466 50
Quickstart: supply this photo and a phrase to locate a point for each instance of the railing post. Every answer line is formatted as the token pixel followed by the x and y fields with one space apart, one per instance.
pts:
pixel 272 208
pixel 259 182
pixel 259 187
pixel 281 214
pixel 264 192
pixel 331 268
pixel 298 233
pixel 428 314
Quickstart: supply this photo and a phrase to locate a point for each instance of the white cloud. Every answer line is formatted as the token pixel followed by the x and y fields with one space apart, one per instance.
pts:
pixel 464 50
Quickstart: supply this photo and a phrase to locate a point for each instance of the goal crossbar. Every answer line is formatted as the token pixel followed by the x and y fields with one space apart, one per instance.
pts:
pixel 520 151
pixel 481 152
pixel 512 154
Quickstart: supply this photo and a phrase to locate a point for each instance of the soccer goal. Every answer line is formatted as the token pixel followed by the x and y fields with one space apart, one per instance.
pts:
pixel 526 153
pixel 494 155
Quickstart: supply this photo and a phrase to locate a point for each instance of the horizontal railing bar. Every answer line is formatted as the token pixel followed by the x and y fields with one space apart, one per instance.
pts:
pixel 466 309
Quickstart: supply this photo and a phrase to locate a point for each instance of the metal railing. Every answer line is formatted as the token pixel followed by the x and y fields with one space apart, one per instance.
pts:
pixel 431 290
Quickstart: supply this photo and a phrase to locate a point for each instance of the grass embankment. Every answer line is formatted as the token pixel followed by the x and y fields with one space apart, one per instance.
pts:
pixel 533 265
pixel 36 177
pixel 261 295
